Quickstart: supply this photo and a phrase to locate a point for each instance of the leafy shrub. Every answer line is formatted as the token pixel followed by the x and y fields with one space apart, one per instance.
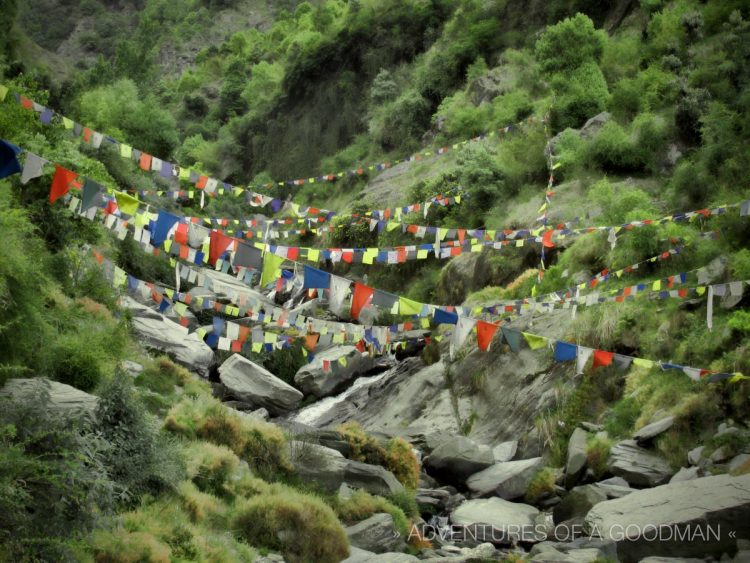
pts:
pixel 162 375
pixel 405 120
pixel 613 150
pixel 301 527
pixel 569 44
pixel 142 459
pixel 582 94
pixel 259 443
pixel 198 504
pixel 53 483
pixel 76 365
pixel 361 505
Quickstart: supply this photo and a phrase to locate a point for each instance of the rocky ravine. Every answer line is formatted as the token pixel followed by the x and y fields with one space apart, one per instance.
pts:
pixel 472 488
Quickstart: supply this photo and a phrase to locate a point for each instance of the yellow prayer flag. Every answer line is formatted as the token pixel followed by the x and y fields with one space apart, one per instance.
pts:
pixel 657 285
pixel 421 254
pixel 271 268
pixel 3 92
pixel 180 309
pixel 641 363
pixel 270 337
pixel 534 341
pixel 257 347
pixel 127 203
pixel 68 123
pixel 409 306
pixel 126 151
pixel 313 254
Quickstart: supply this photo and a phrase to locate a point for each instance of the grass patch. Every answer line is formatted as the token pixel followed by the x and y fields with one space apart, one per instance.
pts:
pixel 361 505
pixel 597 455
pixel 301 527
pixel 259 443
pixel 396 455
pixel 541 484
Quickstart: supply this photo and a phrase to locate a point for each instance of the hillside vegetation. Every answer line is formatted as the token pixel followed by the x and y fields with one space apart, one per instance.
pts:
pixel 255 93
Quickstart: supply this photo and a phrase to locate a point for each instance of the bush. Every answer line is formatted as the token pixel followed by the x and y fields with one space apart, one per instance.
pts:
pixel 54 485
pixel 405 120
pixel 162 375
pixel 569 44
pixel 261 444
pixel 612 150
pixel 75 365
pixel 581 95
pixel 300 526
pixel 142 459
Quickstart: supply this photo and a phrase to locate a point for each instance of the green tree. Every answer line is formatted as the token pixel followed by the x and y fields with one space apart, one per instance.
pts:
pixel 569 44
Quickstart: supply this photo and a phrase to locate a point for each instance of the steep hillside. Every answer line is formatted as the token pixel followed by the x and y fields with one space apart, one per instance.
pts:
pixel 358 279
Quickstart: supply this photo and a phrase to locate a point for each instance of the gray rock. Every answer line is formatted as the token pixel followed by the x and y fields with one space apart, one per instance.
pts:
pixel 655 559
pixel 505 451
pixel 497 521
pixel 357 555
pixel 707 509
pixel 737 461
pixel 454 554
pixel 376 534
pixel 318 464
pixel 495 82
pixel 133 369
pixel 652 430
pixel 742 556
pixel 590 426
pixel 720 455
pixel 254 384
pixel 638 466
pixel 508 480
pixel 695 455
pixel 345 492
pixel 61 398
pixel 585 555
pixel 432 500
pixel 372 478
pixel 576 460
pixel 156 331
pixel 685 474
pixel 578 502
pixel 594 125
pixel 457 459
pixel 312 380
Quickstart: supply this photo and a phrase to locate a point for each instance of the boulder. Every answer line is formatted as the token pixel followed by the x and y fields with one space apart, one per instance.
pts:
pixel 638 466
pixel 697 518
pixel 652 430
pixel 576 460
pixel 694 456
pixel 376 534
pixel 432 500
pixel 578 502
pixel 594 125
pixel 497 521
pixel 493 83
pixel 156 331
pixel 457 459
pixel 505 451
pixel 324 466
pixel 357 555
pixel 312 380
pixel 132 368
pixel 738 462
pixel 61 398
pixel 721 454
pixel 372 478
pixel 508 480
pixel 685 474
pixel 248 382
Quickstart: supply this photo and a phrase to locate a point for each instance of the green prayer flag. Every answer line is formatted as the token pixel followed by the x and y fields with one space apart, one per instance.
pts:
pixel 271 268
pixel 535 342
pixel 409 306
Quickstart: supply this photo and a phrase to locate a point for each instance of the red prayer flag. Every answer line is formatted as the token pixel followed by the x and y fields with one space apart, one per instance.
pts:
pixel 201 183
pixel 60 183
pixel 180 235
pixel 485 332
pixel 218 244
pixel 27 103
pixel 326 366
pixel 547 239
pixel 602 358
pixel 145 161
pixel 237 346
pixel 292 252
pixel 87 134
pixel 360 298
pixel 310 341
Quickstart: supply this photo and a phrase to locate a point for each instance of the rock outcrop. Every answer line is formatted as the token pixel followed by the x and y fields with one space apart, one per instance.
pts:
pixel 376 534
pixel 457 459
pixel 638 466
pixel 311 379
pixel 696 518
pixel 253 384
pixel 158 332
pixel 60 397
pixel 508 480
pixel 497 521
